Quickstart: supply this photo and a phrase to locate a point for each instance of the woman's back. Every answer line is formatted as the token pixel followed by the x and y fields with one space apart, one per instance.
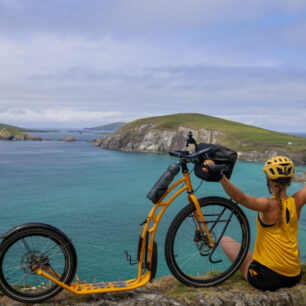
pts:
pixel 276 245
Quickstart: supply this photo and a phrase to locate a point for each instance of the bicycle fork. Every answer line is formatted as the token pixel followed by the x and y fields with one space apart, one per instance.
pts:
pixel 207 233
pixel 198 214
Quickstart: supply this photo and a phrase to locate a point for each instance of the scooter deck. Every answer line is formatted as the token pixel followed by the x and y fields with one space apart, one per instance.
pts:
pixel 102 287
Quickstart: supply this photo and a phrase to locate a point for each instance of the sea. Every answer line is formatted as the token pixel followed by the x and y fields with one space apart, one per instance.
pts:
pixel 98 197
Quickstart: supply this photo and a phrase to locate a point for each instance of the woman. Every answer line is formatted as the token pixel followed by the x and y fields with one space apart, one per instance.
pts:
pixel 276 261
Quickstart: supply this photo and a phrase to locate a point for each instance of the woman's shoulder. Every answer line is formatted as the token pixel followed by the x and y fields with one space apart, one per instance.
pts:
pixel 300 196
pixel 300 199
pixel 268 203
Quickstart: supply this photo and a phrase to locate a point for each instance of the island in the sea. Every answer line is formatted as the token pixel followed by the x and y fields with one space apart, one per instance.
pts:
pixel 108 127
pixel 164 133
pixel 10 133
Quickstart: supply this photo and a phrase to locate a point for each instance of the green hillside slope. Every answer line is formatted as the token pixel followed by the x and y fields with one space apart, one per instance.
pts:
pixel 7 126
pixel 109 127
pixel 236 135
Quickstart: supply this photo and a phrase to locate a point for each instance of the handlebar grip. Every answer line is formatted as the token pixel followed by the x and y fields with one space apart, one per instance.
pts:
pixel 172 153
pixel 216 168
pixel 178 153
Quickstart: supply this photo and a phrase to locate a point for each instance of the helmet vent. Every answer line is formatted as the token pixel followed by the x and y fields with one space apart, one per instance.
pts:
pixel 272 171
pixel 279 171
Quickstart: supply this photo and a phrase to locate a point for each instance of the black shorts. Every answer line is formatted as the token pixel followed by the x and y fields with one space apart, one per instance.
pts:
pixel 264 278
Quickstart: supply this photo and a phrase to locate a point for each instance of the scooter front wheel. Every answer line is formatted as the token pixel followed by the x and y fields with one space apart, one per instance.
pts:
pixel 30 248
pixel 189 254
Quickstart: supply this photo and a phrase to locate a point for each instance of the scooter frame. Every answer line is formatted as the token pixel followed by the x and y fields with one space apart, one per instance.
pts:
pixel 146 246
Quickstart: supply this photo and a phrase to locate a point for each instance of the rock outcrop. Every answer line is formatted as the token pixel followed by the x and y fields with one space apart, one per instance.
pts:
pixel 298 157
pixel 300 177
pixel 68 139
pixel 12 134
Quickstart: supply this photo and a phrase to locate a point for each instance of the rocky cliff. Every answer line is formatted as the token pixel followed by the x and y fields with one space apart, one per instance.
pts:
pixel 298 157
pixel 12 134
pixel 147 138
pixel 144 138
pixel 67 139
pixel 300 176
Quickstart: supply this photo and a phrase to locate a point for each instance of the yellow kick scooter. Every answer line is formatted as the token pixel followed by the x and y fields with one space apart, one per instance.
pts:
pixel 37 260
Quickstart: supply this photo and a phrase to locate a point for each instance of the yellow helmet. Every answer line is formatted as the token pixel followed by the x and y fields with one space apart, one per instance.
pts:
pixel 278 167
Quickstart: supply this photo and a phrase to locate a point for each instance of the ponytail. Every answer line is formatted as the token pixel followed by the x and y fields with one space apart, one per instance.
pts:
pixel 280 188
pixel 281 184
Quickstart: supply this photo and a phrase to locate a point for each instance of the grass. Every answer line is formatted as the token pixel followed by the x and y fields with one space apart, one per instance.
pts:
pixel 15 132
pixel 171 287
pixel 236 135
pixel 7 126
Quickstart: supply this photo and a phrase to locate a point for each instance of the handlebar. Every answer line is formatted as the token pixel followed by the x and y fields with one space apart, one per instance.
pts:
pixel 186 155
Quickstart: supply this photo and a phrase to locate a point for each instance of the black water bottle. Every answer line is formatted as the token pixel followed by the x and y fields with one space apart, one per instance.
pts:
pixel 162 184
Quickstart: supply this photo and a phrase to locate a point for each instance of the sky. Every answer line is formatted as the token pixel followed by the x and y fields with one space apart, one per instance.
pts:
pixel 73 63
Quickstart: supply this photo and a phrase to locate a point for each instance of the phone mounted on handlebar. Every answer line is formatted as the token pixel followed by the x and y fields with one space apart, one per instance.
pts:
pixel 191 140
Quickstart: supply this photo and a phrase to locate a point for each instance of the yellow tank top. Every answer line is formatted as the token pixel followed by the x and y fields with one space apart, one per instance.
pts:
pixel 276 246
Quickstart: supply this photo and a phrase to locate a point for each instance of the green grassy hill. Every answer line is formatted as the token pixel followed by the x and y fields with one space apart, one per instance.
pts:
pixel 7 126
pixel 110 126
pixel 15 132
pixel 236 135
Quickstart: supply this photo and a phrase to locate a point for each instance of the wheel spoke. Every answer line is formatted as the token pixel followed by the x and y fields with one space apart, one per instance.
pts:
pixel 26 245
pixel 13 270
pixel 190 258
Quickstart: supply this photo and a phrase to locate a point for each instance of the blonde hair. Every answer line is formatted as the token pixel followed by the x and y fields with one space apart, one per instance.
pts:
pixel 280 187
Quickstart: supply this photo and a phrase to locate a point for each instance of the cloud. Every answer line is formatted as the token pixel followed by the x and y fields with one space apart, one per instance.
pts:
pixel 154 57
pixel 57 117
pixel 132 17
pixel 296 34
pixel 285 121
pixel 113 76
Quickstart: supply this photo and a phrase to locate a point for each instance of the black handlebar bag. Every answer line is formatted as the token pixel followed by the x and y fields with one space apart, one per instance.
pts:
pixel 220 155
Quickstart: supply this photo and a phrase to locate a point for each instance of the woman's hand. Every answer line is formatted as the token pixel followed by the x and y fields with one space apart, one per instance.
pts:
pixel 216 170
pixel 207 162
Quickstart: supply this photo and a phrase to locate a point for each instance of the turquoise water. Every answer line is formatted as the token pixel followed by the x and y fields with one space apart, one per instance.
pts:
pixel 98 198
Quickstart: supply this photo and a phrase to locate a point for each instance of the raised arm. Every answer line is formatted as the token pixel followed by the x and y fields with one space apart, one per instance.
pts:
pixel 258 204
pixel 300 200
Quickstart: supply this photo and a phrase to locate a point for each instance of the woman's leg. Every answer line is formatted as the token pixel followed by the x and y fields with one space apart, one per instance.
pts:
pixel 231 249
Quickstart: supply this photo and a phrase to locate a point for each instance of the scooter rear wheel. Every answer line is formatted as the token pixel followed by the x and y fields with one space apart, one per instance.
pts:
pixel 28 249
